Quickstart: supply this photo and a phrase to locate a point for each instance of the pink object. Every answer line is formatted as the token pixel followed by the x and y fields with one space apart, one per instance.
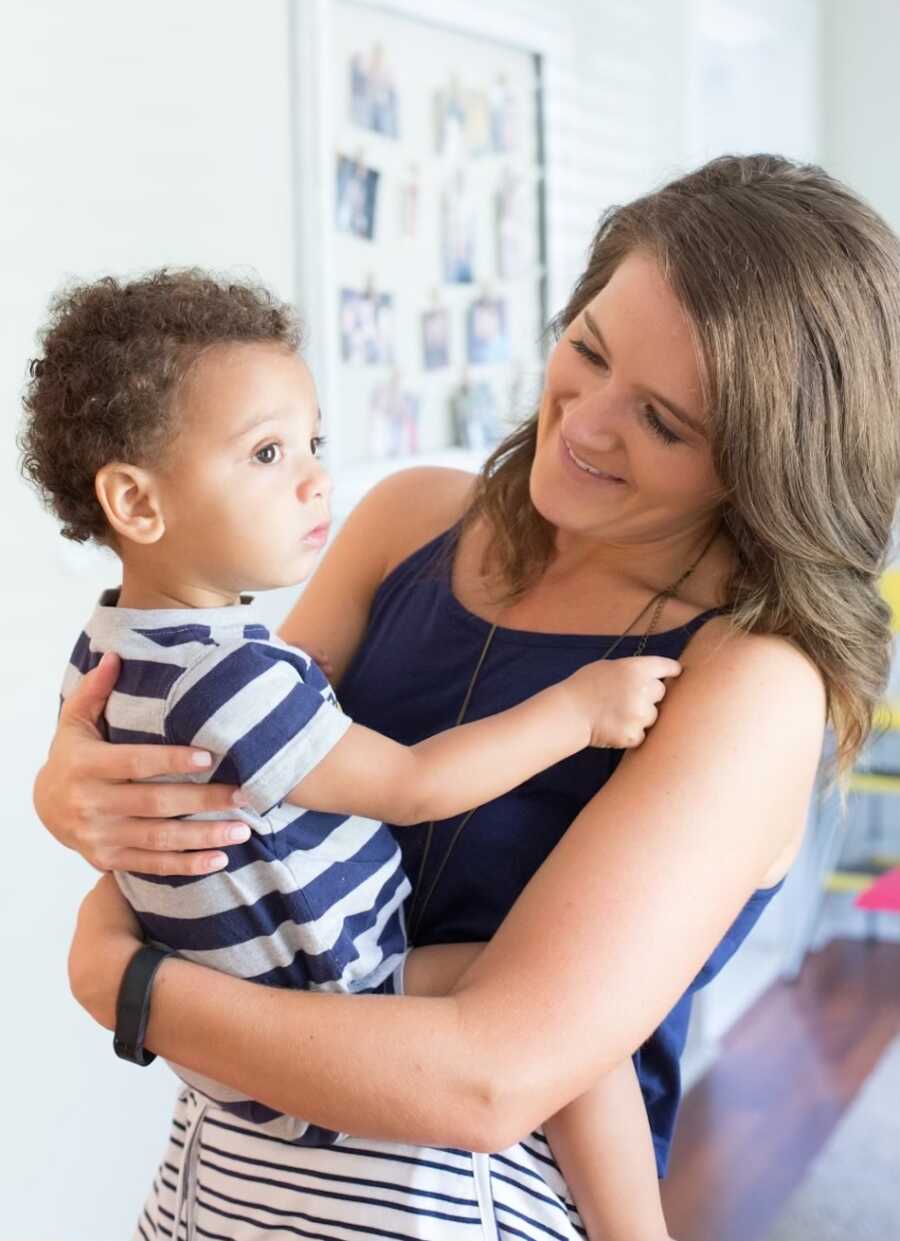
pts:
pixel 883 895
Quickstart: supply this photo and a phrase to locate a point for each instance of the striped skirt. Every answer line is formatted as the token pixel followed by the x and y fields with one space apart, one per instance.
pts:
pixel 221 1180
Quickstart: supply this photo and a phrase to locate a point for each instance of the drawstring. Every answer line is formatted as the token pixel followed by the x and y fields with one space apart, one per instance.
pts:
pixel 186 1188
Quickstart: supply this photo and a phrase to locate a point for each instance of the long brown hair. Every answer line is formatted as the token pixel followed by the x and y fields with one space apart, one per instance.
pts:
pixel 792 286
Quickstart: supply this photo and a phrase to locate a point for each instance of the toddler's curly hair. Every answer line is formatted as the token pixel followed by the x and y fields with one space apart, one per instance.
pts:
pixel 113 355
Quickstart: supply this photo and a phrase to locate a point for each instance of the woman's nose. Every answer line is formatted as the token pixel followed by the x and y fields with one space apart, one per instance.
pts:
pixel 593 422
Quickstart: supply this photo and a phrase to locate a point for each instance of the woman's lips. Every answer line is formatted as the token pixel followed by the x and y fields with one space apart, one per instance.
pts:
pixel 579 468
pixel 318 536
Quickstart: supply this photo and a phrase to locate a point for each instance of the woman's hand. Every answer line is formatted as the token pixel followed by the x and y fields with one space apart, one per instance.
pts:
pixel 86 794
pixel 107 936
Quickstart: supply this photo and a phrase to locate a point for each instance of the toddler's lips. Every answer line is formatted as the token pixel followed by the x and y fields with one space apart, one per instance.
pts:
pixel 318 536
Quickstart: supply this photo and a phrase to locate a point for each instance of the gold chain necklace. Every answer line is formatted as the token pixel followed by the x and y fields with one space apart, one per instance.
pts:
pixel 418 903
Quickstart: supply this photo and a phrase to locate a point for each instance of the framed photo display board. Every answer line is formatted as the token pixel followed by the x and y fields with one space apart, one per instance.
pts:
pixel 421 246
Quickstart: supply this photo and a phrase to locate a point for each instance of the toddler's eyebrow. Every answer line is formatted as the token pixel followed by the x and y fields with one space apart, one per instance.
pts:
pixel 250 426
pixel 270 416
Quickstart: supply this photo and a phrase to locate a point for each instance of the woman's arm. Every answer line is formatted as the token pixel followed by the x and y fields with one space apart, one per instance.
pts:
pixel 603 941
pixel 402 513
pixel 85 795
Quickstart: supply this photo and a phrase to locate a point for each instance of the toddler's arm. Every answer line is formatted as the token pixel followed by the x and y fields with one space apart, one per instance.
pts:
pixel 602 1144
pixel 603 704
pixel 601 1140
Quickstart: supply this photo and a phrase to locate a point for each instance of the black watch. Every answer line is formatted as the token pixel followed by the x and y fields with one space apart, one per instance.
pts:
pixel 133 1005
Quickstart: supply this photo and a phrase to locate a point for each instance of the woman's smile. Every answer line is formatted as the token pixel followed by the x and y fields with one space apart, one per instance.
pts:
pixel 576 467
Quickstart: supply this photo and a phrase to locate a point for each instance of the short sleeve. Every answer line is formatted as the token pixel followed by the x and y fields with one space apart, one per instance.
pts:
pixel 266 713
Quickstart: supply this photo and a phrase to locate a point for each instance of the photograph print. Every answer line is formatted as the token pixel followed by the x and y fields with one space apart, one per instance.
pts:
pixel 373 93
pixel 435 339
pixel 356 197
pixel 487 339
pixel 366 328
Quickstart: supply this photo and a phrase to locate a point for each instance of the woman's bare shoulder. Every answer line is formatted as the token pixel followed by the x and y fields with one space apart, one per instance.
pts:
pixel 755 660
pixel 726 773
pixel 414 506
pixel 763 691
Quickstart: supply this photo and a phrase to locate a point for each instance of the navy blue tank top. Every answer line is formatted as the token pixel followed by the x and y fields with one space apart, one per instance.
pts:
pixel 408 680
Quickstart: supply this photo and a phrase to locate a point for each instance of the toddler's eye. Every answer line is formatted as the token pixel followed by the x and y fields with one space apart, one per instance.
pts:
pixel 316 444
pixel 269 454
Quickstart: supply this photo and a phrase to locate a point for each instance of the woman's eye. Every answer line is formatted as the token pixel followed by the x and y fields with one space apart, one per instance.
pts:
pixel 269 454
pixel 316 444
pixel 656 424
pixel 581 347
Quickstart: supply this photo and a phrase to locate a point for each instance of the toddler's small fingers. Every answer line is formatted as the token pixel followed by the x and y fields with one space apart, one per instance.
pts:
pixel 656 690
pixel 662 667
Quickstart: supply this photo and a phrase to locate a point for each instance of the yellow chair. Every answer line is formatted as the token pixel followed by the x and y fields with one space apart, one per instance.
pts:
pixel 872 778
pixel 819 871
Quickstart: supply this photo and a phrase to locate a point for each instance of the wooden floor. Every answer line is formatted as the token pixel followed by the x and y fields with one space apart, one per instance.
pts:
pixel 751 1127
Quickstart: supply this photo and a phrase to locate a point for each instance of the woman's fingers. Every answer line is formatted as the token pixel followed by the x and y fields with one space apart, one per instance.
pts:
pixel 165 846
pixel 85 704
pixel 142 862
pixel 85 795
pixel 176 835
pixel 143 762
pixel 168 801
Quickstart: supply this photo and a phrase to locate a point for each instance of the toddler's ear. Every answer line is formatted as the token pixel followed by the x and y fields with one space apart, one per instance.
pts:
pixel 130 499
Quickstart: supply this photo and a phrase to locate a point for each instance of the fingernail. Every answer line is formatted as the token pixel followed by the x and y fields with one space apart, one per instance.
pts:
pixel 217 861
pixel 200 758
pixel 238 833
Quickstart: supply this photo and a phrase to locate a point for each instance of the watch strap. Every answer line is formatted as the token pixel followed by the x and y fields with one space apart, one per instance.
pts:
pixel 133 1005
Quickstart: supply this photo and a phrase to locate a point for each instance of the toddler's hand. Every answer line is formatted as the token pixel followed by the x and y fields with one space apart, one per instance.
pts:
pixel 619 697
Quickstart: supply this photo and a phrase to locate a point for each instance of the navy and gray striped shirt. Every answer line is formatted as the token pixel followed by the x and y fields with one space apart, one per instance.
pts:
pixel 311 900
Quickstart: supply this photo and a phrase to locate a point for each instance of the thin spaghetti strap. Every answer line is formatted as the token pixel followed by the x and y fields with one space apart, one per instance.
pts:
pixel 420 899
pixel 692 626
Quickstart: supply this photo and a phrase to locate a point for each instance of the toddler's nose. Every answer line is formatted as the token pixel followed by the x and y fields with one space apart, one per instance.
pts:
pixel 316 485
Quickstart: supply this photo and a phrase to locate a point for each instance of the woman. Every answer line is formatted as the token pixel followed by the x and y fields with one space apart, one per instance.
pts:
pixel 712 472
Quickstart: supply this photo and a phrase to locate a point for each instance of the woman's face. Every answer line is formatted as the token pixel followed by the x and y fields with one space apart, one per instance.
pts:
pixel 622 452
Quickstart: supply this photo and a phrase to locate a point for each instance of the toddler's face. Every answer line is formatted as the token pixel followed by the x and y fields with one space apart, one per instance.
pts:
pixel 245 498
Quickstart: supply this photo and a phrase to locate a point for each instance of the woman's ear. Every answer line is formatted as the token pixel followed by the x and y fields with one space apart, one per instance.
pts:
pixel 130 499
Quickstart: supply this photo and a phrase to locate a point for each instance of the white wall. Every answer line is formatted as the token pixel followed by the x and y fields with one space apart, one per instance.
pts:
pixel 131 135
pixel 159 132
pixel 861 92
pixel 754 78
